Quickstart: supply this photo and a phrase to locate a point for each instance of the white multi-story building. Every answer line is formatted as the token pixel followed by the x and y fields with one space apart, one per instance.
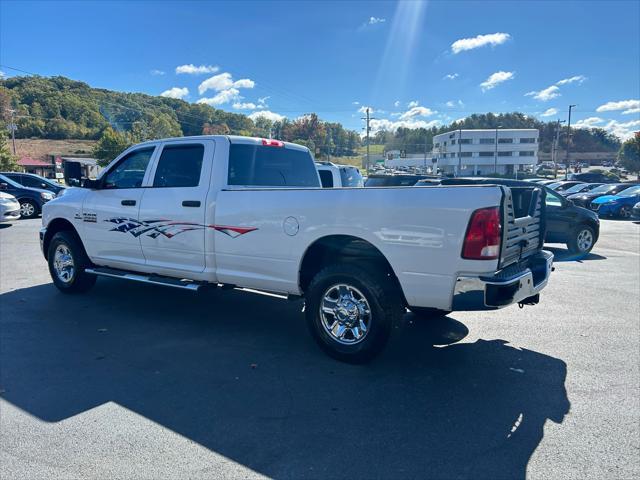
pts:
pixel 481 152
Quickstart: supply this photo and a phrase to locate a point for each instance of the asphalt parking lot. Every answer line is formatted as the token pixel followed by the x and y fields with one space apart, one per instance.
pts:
pixel 137 381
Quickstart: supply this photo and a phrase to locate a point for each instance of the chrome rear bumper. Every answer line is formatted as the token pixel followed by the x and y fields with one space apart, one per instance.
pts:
pixel 519 283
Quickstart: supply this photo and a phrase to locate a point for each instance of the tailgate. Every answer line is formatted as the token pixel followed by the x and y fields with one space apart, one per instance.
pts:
pixel 523 213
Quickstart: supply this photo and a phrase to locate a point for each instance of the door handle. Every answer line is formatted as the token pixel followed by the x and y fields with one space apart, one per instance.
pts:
pixel 191 203
pixel 128 203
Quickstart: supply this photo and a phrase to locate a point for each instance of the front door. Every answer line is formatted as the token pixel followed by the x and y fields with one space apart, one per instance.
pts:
pixel 111 228
pixel 173 207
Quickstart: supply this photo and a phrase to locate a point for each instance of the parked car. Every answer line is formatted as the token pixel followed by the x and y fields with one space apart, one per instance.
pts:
pixel 635 211
pixel 618 205
pixel 579 188
pixel 32 180
pixel 563 185
pixel 395 180
pixel 593 177
pixel 334 176
pixel 566 223
pixel 246 212
pixel 546 182
pixel 9 207
pixel 31 199
pixel 584 199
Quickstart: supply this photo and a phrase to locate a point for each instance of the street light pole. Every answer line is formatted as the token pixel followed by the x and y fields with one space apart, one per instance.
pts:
pixel 554 149
pixel 459 150
pixel 566 167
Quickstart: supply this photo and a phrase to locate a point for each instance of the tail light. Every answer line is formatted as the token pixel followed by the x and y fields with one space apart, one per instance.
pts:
pixel 267 142
pixel 482 241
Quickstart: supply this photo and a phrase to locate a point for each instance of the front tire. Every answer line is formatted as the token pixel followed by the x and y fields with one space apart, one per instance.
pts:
pixel 28 209
pixel 625 211
pixel 583 240
pixel 351 311
pixel 67 263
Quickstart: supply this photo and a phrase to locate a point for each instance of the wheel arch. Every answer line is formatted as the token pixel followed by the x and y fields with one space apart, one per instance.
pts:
pixel 57 225
pixel 341 248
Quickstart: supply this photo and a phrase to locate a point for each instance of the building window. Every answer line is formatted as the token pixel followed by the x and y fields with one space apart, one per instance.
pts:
pixel 486 154
pixel 436 145
pixel 505 154
pixel 452 155
pixel 487 141
pixel 452 135
pixel 444 143
pixel 465 154
pixel 505 140
pixel 453 142
pixel 465 141
pixel 527 154
pixel 527 140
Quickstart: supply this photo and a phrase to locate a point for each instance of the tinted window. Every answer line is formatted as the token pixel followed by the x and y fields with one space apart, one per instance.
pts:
pixel 9 182
pixel 256 165
pixel 351 177
pixel 552 200
pixel 326 177
pixel 179 166
pixel 129 172
pixel 392 181
pixel 33 182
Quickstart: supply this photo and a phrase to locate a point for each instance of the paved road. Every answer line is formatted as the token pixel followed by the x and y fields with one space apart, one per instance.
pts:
pixel 136 381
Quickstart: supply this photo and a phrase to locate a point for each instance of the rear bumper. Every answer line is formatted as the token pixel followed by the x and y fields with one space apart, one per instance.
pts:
pixel 519 283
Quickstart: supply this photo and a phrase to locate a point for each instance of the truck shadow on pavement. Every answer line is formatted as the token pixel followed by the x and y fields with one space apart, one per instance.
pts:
pixel 238 373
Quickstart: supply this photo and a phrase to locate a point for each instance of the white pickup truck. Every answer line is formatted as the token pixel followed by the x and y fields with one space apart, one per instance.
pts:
pixel 250 213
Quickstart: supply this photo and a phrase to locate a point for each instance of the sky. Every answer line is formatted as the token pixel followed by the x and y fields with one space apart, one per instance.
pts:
pixel 413 64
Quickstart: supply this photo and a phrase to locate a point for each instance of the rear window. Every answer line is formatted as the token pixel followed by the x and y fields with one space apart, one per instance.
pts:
pixel 351 177
pixel 326 177
pixel 263 166
pixel 392 181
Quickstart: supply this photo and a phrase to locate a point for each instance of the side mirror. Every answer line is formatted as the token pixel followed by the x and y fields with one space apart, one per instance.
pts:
pixel 91 184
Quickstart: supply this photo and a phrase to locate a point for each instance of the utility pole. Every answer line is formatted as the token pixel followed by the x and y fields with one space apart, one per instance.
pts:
pixel 459 150
pixel 12 127
pixel 368 118
pixel 554 149
pixel 566 169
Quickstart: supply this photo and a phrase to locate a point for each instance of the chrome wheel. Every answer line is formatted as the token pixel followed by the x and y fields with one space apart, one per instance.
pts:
pixel 27 209
pixel 63 264
pixel 584 240
pixel 345 314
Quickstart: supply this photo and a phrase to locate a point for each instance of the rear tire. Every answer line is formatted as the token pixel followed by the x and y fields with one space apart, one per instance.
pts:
pixel 350 311
pixel 625 211
pixel 28 209
pixel 582 240
pixel 67 263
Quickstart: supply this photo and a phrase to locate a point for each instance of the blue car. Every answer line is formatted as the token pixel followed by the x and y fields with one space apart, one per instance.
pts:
pixel 619 205
pixel 30 199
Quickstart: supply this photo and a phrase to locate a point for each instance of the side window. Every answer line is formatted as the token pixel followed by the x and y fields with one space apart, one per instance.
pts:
pixel 129 172
pixel 31 182
pixel 552 200
pixel 179 166
pixel 326 177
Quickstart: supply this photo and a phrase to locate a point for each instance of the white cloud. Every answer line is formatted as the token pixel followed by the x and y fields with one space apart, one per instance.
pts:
pixel 416 112
pixel 244 106
pixel 630 106
pixel 496 79
pixel 222 97
pixel 363 109
pixel 274 117
pixel 396 103
pixel 545 95
pixel 192 69
pixel 355 103
pixel 452 104
pixel 175 92
pixel 450 76
pixel 576 78
pixel 590 122
pixel 492 39
pixel 549 112
pixel 413 103
pixel 224 81
pixel 374 20
pixel 390 126
pixel 624 130
pixel 156 72
pixel 262 101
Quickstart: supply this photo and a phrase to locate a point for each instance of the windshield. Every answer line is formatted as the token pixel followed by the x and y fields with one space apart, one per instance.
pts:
pixel 10 182
pixel 555 185
pixel 630 192
pixel 577 188
pixel 603 189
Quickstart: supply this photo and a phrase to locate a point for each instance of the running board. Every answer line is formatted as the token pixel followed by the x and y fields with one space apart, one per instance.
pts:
pixel 136 277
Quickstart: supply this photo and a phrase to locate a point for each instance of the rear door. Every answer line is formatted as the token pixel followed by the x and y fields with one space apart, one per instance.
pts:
pixel 110 214
pixel 173 207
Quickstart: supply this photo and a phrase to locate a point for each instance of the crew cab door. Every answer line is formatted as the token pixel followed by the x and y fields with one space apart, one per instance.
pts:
pixel 174 205
pixel 110 212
